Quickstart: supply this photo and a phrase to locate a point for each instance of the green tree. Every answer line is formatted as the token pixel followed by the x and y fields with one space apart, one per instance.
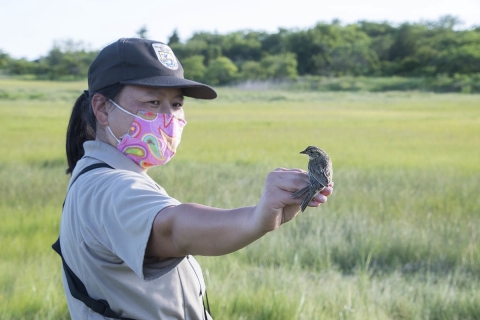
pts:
pixel 280 66
pixel 142 32
pixel 275 43
pixel 446 22
pixel 382 39
pixel 242 46
pixel 433 49
pixel 302 44
pixel 252 70
pixel 406 40
pixel 464 59
pixel 454 51
pixel 194 68
pixel 221 71
pixel 5 60
pixel 213 42
pixel 330 49
pixel 22 66
pixel 191 48
pixel 68 60
pixel 197 47
pixel 173 38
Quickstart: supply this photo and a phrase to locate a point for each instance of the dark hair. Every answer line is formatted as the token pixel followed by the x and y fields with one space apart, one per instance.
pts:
pixel 82 124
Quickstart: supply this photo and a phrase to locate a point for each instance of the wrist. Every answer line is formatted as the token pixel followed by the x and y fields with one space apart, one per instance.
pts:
pixel 262 224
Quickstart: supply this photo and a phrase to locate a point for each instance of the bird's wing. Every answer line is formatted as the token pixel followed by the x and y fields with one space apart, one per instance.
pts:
pixel 301 193
pixel 320 176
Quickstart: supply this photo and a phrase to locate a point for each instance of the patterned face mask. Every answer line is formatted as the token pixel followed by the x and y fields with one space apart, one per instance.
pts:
pixel 152 139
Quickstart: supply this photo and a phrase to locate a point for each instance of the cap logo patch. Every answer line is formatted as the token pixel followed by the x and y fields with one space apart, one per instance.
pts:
pixel 165 55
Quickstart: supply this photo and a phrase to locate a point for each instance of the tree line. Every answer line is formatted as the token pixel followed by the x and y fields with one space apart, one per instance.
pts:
pixel 369 49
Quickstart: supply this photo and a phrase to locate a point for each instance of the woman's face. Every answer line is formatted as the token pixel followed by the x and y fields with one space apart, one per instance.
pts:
pixel 135 99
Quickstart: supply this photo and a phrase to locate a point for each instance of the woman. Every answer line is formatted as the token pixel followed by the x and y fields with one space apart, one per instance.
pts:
pixel 121 235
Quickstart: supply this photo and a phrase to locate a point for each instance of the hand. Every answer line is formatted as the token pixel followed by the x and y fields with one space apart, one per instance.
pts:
pixel 276 205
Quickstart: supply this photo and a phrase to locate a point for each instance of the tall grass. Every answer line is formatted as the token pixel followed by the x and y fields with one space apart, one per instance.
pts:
pixel 459 83
pixel 397 240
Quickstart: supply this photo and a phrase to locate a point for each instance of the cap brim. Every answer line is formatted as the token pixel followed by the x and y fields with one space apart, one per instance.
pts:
pixel 189 88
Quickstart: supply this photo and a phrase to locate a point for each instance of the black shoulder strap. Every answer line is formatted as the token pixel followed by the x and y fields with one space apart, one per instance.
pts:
pixel 76 286
pixel 89 168
pixel 85 170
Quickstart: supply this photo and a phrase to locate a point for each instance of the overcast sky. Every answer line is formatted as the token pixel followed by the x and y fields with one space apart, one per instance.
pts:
pixel 28 28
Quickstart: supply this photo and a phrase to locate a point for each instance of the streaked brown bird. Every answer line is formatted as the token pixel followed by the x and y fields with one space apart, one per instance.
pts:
pixel 320 172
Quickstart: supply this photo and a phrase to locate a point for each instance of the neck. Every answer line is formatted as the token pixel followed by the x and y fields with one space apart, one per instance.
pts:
pixel 104 136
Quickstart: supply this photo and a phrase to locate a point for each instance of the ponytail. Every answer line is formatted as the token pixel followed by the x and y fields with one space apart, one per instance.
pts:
pixel 82 124
pixel 80 129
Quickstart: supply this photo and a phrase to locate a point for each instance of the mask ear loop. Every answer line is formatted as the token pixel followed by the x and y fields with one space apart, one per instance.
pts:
pixel 110 130
pixel 116 105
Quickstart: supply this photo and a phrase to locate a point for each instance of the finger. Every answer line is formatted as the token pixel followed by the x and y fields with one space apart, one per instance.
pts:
pixel 290 181
pixel 327 191
pixel 281 169
pixel 284 199
pixel 319 198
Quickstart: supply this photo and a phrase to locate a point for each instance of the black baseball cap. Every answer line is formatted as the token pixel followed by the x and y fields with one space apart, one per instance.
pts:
pixel 142 62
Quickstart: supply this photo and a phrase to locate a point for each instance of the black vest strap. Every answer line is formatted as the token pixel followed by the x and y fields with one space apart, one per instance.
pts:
pixel 85 170
pixel 76 286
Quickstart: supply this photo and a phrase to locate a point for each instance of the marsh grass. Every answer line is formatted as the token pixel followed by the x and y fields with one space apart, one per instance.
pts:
pixel 397 240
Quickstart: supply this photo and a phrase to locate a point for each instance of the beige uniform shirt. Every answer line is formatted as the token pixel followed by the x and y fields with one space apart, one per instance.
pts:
pixel 105 227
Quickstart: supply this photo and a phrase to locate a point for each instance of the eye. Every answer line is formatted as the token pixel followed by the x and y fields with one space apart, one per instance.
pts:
pixel 177 104
pixel 155 102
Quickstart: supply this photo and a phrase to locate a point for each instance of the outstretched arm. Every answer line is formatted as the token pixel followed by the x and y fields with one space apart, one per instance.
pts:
pixel 191 228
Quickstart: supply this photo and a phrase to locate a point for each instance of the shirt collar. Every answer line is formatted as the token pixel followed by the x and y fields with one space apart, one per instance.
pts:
pixel 110 155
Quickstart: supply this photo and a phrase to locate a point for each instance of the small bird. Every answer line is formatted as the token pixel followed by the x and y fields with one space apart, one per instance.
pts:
pixel 320 172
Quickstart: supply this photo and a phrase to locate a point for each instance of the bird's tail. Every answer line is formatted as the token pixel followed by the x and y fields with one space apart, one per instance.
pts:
pixel 307 194
pixel 307 199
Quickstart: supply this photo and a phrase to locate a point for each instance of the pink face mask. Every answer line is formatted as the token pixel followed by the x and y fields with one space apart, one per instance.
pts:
pixel 152 139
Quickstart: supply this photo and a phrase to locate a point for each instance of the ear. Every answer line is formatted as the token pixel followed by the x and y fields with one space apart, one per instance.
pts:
pixel 100 108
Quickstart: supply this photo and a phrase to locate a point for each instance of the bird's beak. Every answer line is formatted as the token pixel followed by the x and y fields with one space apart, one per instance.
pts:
pixel 303 152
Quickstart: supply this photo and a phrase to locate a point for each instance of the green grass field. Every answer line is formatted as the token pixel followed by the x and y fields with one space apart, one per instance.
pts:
pixel 398 239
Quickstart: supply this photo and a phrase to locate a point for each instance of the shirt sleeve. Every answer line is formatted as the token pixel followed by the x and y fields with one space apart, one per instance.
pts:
pixel 126 205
